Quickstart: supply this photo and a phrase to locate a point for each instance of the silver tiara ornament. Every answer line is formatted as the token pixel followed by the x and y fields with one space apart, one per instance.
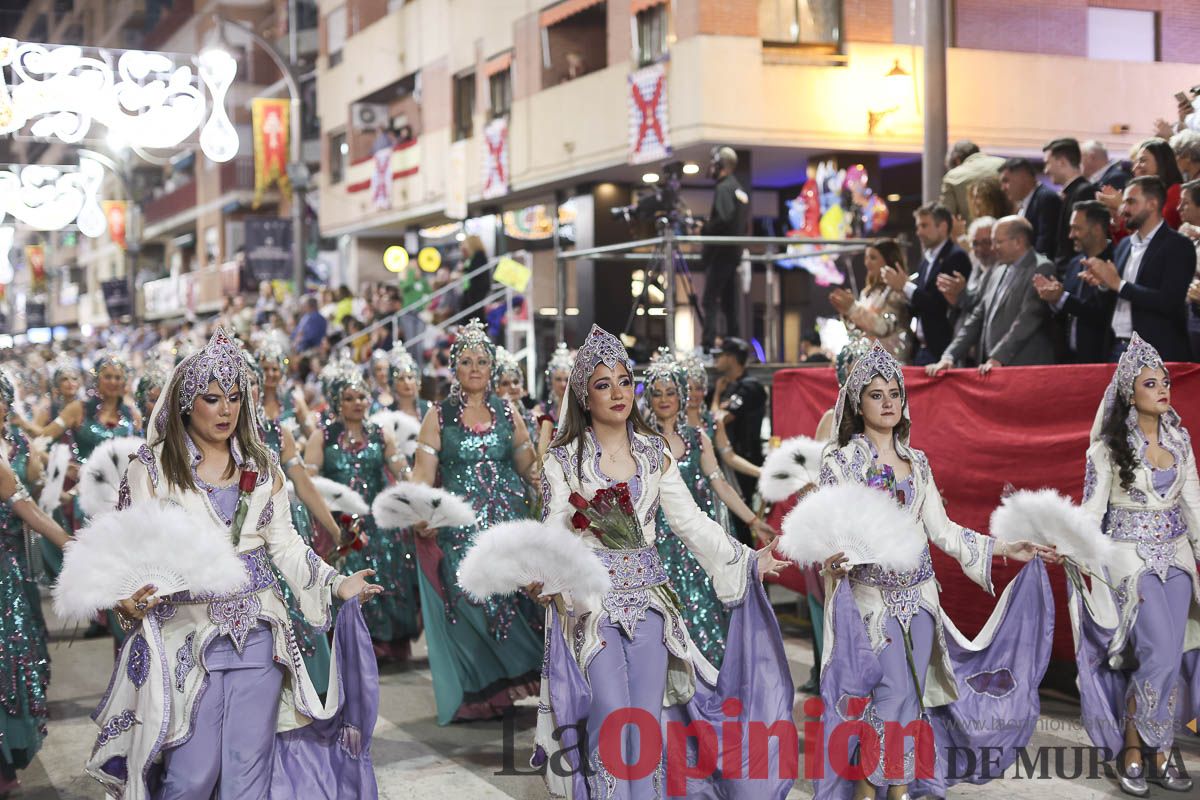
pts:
pixel 110 358
pixel 1138 355
pixel 221 361
pixel 61 367
pixel 600 347
pixel 507 364
pixel 340 374
pixel 876 362
pixel 696 370
pixel 664 367
pixel 560 360
pixel 273 349
pixel 401 360
pixel 472 336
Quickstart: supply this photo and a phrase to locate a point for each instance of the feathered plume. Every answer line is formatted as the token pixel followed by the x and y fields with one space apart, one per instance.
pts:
pixel 1044 516
pixel 152 542
pixel 789 468
pixel 406 504
pixel 100 477
pixel 340 498
pixel 510 556
pixel 56 476
pixel 403 427
pixel 865 524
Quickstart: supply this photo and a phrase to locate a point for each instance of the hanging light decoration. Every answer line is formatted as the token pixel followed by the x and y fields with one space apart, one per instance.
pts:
pixel 49 198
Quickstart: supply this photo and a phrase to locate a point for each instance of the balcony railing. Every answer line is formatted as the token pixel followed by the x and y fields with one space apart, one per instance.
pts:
pixel 237 174
pixel 170 203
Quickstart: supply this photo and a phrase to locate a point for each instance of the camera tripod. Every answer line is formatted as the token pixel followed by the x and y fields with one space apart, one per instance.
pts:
pixel 655 270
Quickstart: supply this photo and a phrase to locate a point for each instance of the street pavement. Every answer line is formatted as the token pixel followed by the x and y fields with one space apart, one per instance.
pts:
pixel 416 759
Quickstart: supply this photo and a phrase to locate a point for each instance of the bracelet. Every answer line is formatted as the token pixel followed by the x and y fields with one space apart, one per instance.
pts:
pixel 714 476
pixel 20 494
pixel 294 461
pixel 59 422
pixel 397 457
pixel 527 444
pixel 427 449
pixel 126 622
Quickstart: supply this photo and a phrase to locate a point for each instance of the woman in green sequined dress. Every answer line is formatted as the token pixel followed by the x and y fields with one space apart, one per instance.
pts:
pixel 667 392
pixel 313 643
pixel 24 665
pixel 90 423
pixel 354 452
pixel 406 384
pixel 483 656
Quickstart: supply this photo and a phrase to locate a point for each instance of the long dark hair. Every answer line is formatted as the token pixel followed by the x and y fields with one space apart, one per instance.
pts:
pixel 853 423
pixel 1164 160
pixel 892 254
pixel 1115 433
pixel 573 425
pixel 177 462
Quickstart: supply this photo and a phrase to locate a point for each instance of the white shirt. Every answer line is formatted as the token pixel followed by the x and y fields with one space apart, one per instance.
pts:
pixel 930 256
pixel 1122 320
pixel 1098 174
pixel 1024 206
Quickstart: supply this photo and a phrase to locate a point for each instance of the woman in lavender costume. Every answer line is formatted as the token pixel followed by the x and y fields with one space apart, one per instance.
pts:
pixel 210 694
pixel 1138 639
pixel 870 617
pixel 631 648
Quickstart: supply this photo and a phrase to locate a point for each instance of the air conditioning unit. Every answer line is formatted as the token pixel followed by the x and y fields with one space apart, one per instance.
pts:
pixel 368 116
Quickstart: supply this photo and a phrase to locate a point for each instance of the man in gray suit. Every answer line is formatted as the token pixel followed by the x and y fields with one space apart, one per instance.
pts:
pixel 1011 327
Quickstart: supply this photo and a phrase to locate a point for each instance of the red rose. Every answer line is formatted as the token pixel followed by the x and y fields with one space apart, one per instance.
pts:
pixel 248 481
pixel 626 504
pixel 577 501
pixel 359 543
pixel 580 522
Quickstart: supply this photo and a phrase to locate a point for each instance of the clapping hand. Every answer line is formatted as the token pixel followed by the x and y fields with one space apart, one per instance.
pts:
pixel 1110 196
pixel 951 286
pixel 894 278
pixel 842 300
pixel 1101 273
pixel 1049 289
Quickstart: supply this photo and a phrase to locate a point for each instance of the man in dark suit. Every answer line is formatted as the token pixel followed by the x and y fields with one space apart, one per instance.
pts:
pixel 941 256
pixel 1011 327
pixel 1100 170
pixel 1063 159
pixel 1085 310
pixel 1149 276
pixel 1033 201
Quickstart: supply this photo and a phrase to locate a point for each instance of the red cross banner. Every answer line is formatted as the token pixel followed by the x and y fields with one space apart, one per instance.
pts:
pixel 381 178
pixel 495 158
pixel 271 119
pixel 649 133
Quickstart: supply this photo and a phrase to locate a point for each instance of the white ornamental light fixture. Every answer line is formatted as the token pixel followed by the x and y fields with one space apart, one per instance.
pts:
pixel 143 98
pixel 49 198
pixel 7 234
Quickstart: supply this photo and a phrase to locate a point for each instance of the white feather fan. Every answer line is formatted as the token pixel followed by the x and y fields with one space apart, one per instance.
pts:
pixel 403 428
pixel 56 476
pixel 508 557
pixel 100 477
pixel 789 468
pixel 406 504
pixel 151 542
pixel 868 525
pixel 340 498
pixel 1044 516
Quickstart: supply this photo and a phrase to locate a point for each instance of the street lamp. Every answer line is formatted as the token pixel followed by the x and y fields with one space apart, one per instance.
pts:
pixel 297 171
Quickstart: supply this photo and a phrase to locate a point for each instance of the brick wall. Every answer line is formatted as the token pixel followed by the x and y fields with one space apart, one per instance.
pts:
pixel 726 17
pixel 1060 26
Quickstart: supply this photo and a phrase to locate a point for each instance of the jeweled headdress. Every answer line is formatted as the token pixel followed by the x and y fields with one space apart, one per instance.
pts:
pixel 600 347
pixel 560 360
pixel 154 374
pixel 109 358
pixel 469 337
pixel 697 370
pixel 401 360
pixel 664 367
pixel 8 391
pixel 220 361
pixel 875 363
pixel 507 364
pixel 273 348
pixel 1138 356
pixel 253 366
pixel 62 366
pixel 340 374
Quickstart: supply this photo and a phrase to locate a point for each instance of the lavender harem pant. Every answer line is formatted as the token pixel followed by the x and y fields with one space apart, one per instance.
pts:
pixel 1157 639
pixel 231 748
pixel 626 674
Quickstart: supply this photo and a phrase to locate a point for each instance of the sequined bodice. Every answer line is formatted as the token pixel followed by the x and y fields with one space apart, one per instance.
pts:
pixel 359 467
pixel 464 448
pixel 18 453
pixel 271 435
pixel 691 471
pixel 92 432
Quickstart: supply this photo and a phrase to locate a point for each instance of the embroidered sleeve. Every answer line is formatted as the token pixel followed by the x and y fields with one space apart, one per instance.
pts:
pixel 264 518
pixel 970 549
pixel 146 456
pixel 1089 479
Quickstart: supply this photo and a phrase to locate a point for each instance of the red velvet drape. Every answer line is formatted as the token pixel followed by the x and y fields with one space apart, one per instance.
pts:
pixel 1027 426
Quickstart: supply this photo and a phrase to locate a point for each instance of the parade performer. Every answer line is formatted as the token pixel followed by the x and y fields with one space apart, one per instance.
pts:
pixel 24 658
pixel 307 505
pixel 668 394
pixel 65 382
pixel 1137 639
pixel 406 383
pixel 558 375
pixel 483 655
pixel 148 387
pixel 876 613
pixel 701 417
pixel 632 650
pixel 278 403
pixel 218 681
pixel 382 397
pixel 87 424
pixel 357 453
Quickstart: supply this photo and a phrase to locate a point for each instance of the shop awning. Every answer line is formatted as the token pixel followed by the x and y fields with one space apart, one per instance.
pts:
pixel 567 8
pixel 498 63
pixel 638 6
